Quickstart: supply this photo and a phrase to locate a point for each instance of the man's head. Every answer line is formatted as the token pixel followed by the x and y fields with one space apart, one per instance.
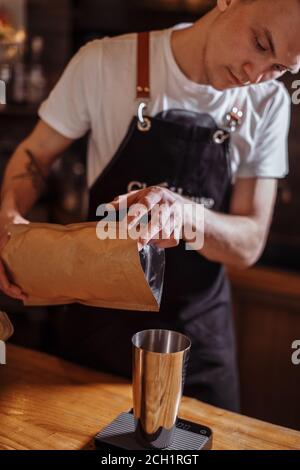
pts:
pixel 251 41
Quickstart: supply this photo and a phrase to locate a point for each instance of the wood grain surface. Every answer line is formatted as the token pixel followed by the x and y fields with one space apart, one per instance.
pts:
pixel 47 403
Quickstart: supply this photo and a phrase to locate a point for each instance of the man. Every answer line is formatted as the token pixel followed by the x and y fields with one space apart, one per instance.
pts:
pixel 228 59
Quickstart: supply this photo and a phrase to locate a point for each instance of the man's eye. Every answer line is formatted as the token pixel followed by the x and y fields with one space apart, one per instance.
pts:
pixel 279 68
pixel 259 46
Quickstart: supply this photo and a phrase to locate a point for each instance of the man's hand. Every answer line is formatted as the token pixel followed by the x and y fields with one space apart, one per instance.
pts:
pixel 167 214
pixel 235 239
pixel 6 286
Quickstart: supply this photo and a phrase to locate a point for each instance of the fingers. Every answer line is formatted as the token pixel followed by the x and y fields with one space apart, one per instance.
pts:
pixel 171 243
pixel 143 206
pixel 129 197
pixel 6 286
pixel 159 224
pixel 20 220
pixel 140 196
pixel 165 225
pixel 10 289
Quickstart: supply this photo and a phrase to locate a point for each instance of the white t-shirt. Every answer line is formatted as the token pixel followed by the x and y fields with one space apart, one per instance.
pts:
pixel 97 92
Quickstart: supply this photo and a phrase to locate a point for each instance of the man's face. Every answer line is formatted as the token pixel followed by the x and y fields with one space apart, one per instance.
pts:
pixel 252 41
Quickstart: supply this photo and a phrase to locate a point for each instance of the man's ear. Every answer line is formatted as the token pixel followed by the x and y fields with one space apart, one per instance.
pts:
pixel 224 4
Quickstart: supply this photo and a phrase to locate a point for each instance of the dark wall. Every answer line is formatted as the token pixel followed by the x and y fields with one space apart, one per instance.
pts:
pixel 53 20
pixel 96 18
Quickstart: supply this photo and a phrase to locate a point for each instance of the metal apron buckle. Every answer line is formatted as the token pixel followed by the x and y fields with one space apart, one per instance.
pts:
pixel 144 123
pixel 220 136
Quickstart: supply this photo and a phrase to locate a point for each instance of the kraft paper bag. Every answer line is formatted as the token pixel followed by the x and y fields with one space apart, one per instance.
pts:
pixel 6 327
pixel 57 264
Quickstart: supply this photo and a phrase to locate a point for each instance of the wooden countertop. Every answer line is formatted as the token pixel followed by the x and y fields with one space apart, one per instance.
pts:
pixel 269 281
pixel 47 403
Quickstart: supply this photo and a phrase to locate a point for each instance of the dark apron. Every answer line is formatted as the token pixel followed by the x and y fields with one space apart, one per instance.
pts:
pixel 180 152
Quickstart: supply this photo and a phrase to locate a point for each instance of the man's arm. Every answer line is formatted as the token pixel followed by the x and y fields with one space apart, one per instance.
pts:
pixel 235 239
pixel 28 167
pixel 22 184
pixel 239 238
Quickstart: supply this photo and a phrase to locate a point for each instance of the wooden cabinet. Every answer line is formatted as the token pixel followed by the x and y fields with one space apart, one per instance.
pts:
pixel 267 313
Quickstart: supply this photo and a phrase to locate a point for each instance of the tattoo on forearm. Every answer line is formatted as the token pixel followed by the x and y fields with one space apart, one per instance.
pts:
pixel 33 172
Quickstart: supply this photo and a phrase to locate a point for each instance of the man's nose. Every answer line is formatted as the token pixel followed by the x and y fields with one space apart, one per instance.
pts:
pixel 252 74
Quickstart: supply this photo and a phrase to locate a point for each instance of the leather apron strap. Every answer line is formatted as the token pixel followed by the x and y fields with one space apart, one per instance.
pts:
pixel 143 66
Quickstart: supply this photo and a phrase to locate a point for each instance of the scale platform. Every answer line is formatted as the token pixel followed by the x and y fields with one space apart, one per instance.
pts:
pixel 120 434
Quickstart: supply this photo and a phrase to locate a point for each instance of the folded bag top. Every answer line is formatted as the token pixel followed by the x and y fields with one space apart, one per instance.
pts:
pixel 60 264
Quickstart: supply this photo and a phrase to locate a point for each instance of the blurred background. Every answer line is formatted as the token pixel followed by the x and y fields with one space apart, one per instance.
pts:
pixel 37 39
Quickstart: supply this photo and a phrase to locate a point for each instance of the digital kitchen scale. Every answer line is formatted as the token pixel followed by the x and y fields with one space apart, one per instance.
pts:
pixel 120 434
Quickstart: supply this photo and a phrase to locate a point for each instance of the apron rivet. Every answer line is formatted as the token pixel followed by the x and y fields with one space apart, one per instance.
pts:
pixel 233 119
pixel 220 136
pixel 144 126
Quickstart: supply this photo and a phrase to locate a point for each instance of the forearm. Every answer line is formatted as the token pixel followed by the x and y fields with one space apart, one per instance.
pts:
pixel 230 239
pixel 29 166
pixel 234 239
pixel 23 181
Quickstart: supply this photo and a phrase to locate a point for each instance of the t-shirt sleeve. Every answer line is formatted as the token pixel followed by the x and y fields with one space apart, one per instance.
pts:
pixel 70 105
pixel 268 157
